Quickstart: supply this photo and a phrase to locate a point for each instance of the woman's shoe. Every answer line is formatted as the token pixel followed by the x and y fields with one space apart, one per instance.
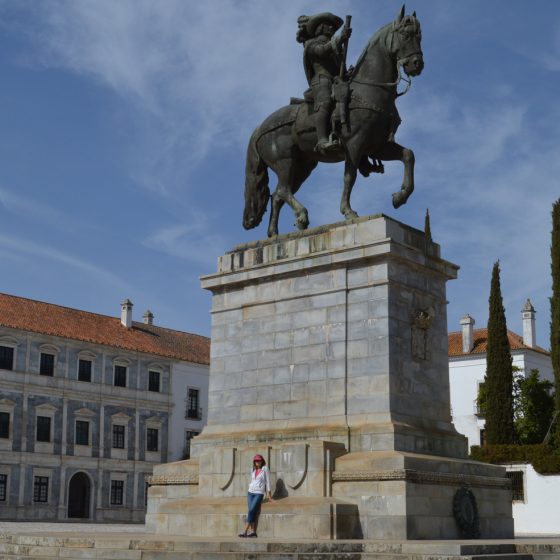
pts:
pixel 242 535
pixel 252 535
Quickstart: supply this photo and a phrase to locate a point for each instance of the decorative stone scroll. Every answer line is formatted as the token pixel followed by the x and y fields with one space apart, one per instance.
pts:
pixel 226 458
pixel 294 462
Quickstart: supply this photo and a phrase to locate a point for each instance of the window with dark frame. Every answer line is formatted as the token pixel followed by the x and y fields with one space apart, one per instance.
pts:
pixel 482 437
pixel 152 439
pixel 3 487
pixel 5 425
pixel 120 376
pixel 189 434
pixel 118 436
pixel 41 489
pixel 46 364
pixel 82 432
pixel 117 492
pixel 517 487
pixel 6 357
pixel 84 370
pixel 153 381
pixel 192 404
pixel 43 429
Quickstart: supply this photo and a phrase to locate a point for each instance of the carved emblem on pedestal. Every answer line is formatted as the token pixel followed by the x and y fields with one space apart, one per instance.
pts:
pixel 421 322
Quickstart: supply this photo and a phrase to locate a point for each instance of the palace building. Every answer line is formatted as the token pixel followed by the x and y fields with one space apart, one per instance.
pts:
pixel 88 404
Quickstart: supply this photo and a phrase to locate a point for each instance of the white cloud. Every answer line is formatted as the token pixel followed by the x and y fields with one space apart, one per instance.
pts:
pixel 199 74
pixel 546 56
pixel 35 211
pixel 40 251
pixel 189 240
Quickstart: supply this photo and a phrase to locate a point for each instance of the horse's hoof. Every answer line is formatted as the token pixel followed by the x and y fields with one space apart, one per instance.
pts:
pixel 302 222
pixel 397 199
pixel 351 215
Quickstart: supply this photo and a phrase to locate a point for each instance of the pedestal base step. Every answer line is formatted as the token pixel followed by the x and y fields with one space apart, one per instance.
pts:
pixel 299 518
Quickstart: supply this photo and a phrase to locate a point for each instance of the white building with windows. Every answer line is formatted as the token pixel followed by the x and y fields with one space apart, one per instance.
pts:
pixel 88 404
pixel 467 368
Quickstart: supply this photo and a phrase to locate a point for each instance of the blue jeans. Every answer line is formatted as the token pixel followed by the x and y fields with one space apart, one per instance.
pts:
pixel 254 503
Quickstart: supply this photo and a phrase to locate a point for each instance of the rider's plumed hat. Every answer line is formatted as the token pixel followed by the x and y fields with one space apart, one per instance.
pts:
pixel 324 17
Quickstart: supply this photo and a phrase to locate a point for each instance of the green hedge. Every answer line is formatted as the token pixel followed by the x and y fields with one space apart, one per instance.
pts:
pixel 542 457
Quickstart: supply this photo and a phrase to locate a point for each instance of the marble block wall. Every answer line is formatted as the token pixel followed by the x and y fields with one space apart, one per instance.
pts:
pixel 336 333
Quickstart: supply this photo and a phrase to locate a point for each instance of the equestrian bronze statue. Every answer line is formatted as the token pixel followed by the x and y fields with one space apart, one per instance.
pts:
pixel 347 116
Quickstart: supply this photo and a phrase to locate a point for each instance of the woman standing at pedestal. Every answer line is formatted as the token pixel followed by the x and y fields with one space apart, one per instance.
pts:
pixel 258 488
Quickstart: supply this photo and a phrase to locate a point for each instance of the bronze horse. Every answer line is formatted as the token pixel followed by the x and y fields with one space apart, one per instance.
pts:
pixel 286 139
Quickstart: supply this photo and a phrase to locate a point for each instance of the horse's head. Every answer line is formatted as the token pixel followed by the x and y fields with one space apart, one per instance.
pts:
pixel 406 43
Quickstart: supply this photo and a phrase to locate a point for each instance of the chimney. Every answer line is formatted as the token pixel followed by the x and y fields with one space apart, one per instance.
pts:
pixel 529 332
pixel 148 318
pixel 126 313
pixel 467 323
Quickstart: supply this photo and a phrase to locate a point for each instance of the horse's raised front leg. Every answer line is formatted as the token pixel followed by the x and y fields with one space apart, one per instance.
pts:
pixel 350 172
pixel 395 152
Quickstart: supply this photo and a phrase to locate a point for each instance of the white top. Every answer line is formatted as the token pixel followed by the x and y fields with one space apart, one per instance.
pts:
pixel 261 482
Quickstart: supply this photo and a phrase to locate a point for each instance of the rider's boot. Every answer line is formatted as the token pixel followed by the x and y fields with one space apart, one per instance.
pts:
pixel 322 118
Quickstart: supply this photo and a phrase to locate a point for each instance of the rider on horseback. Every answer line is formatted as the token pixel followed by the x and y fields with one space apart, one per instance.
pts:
pixel 322 59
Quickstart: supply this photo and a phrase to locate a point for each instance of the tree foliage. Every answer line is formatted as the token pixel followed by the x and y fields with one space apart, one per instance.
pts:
pixel 533 407
pixel 542 457
pixel 498 383
pixel 555 316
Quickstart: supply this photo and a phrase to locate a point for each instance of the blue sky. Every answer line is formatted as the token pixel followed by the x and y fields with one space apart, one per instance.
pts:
pixel 124 127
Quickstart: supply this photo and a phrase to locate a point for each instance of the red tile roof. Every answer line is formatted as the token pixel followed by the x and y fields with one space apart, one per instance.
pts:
pixel 480 337
pixel 55 320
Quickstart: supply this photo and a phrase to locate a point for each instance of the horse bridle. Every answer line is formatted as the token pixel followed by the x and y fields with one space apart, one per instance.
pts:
pixel 400 63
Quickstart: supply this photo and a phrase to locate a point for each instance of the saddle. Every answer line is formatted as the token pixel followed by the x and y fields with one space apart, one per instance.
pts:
pixel 341 96
pixel 307 98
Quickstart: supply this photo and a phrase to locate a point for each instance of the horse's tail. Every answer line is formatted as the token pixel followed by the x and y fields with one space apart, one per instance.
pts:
pixel 257 192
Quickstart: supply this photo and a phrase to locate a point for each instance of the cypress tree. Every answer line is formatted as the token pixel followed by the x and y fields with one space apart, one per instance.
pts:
pixel 499 373
pixel 555 316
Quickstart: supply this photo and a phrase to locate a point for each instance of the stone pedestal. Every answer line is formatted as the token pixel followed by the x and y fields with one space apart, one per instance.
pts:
pixel 329 357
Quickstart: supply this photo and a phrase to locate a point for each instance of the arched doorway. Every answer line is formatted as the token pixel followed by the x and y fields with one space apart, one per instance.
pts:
pixel 79 492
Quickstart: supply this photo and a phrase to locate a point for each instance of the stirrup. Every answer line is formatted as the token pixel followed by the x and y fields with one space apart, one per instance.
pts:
pixel 331 145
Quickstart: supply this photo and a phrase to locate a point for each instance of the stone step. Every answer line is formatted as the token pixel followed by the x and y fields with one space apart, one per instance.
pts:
pixel 87 554
pixel 113 547
pixel 107 554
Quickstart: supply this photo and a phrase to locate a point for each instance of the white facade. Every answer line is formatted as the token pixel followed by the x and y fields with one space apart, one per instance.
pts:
pixel 468 371
pixel 467 368
pixel 186 419
pixel 537 513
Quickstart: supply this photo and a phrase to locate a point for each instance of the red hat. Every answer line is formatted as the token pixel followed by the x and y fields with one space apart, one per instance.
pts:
pixel 258 458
